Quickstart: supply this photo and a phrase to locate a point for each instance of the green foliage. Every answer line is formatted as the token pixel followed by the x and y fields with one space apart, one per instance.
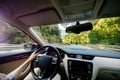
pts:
pixel 105 31
pixel 49 33
pixel 11 35
pixel 15 35
pixel 76 38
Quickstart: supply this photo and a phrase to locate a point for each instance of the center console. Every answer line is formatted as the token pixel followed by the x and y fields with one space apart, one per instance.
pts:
pixel 79 70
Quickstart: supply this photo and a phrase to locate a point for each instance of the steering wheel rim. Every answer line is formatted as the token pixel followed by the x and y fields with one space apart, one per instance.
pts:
pixel 56 66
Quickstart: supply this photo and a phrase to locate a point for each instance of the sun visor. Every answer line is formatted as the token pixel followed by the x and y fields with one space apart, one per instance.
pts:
pixel 44 17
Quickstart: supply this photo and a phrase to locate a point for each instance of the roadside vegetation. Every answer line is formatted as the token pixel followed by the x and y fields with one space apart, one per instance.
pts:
pixel 105 31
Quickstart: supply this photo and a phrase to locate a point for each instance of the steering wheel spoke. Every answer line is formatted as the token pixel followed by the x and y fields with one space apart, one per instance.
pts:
pixel 54 60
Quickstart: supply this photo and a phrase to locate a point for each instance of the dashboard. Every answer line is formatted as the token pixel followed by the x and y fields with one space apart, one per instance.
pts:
pixel 90 64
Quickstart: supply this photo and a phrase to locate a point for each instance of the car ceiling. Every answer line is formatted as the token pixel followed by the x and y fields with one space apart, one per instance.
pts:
pixel 44 12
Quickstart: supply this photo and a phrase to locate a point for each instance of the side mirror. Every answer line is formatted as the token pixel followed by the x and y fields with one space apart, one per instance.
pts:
pixel 30 46
pixel 78 28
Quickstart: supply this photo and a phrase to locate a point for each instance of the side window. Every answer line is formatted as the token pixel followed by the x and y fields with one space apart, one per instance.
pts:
pixel 12 39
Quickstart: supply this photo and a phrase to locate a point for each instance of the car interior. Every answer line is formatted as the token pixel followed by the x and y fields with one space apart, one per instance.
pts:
pixel 79 63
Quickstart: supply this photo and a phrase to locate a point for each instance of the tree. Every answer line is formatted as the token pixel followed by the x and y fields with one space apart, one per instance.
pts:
pixel 15 36
pixel 81 38
pixel 106 31
pixel 50 33
pixel 11 34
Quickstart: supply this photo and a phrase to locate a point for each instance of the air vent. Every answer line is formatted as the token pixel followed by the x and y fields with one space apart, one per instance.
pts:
pixel 87 57
pixel 71 55
pixel 77 56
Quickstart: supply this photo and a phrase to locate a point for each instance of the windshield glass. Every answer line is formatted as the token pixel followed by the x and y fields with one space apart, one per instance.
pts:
pixel 105 34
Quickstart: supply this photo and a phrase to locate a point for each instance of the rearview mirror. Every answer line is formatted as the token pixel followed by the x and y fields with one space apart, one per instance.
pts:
pixel 79 28
pixel 30 46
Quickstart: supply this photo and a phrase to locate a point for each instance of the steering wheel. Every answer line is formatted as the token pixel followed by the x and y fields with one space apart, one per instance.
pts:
pixel 48 61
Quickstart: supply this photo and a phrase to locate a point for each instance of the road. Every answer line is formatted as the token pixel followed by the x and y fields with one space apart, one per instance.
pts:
pixel 16 47
pixel 5 48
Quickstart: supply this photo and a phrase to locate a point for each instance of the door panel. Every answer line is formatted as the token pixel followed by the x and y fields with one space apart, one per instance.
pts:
pixel 8 67
pixel 11 61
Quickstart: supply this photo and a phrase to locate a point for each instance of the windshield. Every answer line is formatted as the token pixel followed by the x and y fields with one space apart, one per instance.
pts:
pixel 105 34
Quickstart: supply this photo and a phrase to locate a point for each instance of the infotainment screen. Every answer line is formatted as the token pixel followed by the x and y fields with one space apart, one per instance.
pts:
pixel 80 70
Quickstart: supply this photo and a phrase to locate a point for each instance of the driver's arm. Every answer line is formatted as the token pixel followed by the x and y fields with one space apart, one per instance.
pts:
pixel 15 75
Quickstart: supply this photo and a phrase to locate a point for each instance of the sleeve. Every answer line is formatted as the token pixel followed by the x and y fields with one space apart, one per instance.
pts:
pixel 10 77
pixel 3 76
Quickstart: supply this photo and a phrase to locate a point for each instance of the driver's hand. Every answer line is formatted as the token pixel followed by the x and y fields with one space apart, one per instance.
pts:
pixel 32 56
